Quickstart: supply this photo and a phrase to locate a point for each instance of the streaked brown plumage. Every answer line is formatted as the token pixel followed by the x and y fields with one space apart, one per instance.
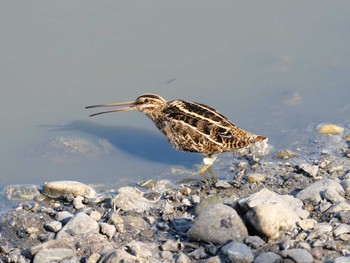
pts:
pixel 190 126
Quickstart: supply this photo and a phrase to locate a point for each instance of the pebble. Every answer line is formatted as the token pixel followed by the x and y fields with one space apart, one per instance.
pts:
pixel 256 178
pixel 218 224
pixel 307 224
pixel 315 190
pixel 346 185
pixel 210 200
pixel 298 255
pixel 54 226
pixel 312 170
pixel 119 255
pixel 285 154
pixel 107 229
pixel 131 199
pixel 330 129
pixel 95 215
pixel 60 189
pixel 53 255
pixel 21 191
pixel 63 216
pixel 270 214
pixel 238 252
pixel 93 258
pixel 183 258
pixel 254 242
pixel 268 257
pixel 81 223
pixel 78 202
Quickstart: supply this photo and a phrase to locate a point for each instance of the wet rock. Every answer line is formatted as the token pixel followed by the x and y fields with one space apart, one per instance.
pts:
pixel 315 191
pixel 218 224
pixel 131 199
pixel 80 224
pixel 119 255
pixel 22 191
pixel 270 214
pixel 285 154
pixel 210 200
pixel 256 178
pixel 309 169
pixel 298 255
pixel 330 129
pixel 238 252
pixel 268 257
pixel 60 189
pixel 53 255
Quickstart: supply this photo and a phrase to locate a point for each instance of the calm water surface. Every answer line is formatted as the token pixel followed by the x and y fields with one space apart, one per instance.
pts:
pixel 272 67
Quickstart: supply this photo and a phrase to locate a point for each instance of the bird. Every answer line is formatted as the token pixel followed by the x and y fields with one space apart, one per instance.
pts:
pixel 189 126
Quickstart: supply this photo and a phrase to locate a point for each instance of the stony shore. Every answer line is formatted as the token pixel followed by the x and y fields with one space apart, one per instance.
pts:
pixel 289 209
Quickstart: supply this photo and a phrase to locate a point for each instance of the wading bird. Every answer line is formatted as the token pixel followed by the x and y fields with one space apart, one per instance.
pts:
pixel 190 126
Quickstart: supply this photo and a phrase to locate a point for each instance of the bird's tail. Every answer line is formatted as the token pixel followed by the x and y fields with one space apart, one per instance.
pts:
pixel 261 139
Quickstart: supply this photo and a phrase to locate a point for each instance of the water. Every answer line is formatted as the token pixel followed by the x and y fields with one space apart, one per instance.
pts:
pixel 272 67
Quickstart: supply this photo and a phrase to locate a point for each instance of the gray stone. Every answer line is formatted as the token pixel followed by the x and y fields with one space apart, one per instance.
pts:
pixel 298 255
pixel 60 189
pixel 210 200
pixel 254 242
pixel 167 256
pixel 333 196
pixel 268 257
pixel 107 229
pixel 131 199
pixel 341 229
pixel 285 154
pixel 342 206
pixel 143 251
pixel 315 191
pixel 80 224
pixel 218 224
pixel 63 216
pixel 119 255
pixel 53 255
pixel 270 213
pixel 238 252
pixel 198 253
pixel 21 191
pixel 320 229
pixel 312 170
pixel 215 259
pixel 134 224
pixel 54 226
pixel 67 243
pixel 95 215
pixel 346 185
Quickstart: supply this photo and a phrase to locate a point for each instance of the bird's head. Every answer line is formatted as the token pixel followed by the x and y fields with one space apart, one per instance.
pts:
pixel 150 104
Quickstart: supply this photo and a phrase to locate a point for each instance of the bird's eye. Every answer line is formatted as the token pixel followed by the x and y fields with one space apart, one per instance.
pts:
pixel 146 101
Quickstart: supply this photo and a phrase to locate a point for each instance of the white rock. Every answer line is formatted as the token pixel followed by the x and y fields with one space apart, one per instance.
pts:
pixel 341 229
pixel 310 169
pixel 307 224
pixel 60 189
pixel 131 199
pixel 53 255
pixel 107 229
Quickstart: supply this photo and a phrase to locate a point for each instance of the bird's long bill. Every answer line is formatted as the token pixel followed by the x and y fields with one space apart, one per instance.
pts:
pixel 129 106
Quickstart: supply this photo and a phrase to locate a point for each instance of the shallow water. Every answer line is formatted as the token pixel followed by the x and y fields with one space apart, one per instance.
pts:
pixel 273 68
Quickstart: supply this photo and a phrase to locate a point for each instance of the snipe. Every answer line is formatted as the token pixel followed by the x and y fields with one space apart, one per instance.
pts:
pixel 190 126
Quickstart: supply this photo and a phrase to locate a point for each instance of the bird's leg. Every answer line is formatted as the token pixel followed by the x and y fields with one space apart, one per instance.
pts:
pixel 208 161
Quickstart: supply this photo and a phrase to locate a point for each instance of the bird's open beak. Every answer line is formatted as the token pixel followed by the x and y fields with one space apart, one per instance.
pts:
pixel 129 106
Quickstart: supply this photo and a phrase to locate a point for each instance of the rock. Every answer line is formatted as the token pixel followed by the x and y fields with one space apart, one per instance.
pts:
pixel 215 259
pixel 309 169
pixel 60 189
pixel 67 243
pixel 78 202
pixel 198 253
pixel 107 229
pixel 93 258
pixel 54 226
pixel 346 185
pixel 80 224
pixel 330 129
pixel 342 259
pixel 270 213
pixel 22 191
pixel 218 224
pixel 333 196
pixel 134 224
pixel 314 192
pixel 63 216
pixel 119 255
pixel 307 224
pixel 285 154
pixel 256 178
pixel 170 245
pixel 268 257
pixel 95 215
pixel 254 242
pixel 342 206
pixel 210 200
pixel 238 252
pixel 222 184
pixel 143 251
pixel 53 255
pixel 319 230
pixel 131 199
pixel 183 258
pixel 298 255
pixel 341 229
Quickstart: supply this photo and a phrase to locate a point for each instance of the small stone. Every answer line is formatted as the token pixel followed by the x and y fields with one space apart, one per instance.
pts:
pixel 167 256
pixel 333 196
pixel 210 200
pixel 150 219
pixel 148 233
pixel 341 229
pixel 285 154
pixel 298 255
pixel 215 259
pixel 330 129
pixel 162 226
pixel 198 253
pixel 63 216
pixel 117 221
pixel 53 255
pixel 142 251
pixel 222 184
pixel 119 255
pixel 22 191
pixel 80 224
pixel 319 230
pixel 183 258
pixel 78 202
pixel 347 138
pixel 95 215
pixel 93 258
pixel 170 245
pixel 238 252
pixel 185 191
pixel 342 206
pixel 254 242
pixel 60 189
pixel 346 185
pixel 314 191
pixel 256 178
pixel 312 170
pixel 218 224
pixel 134 224
pixel 131 199
pixel 54 226
pixel 268 257
pixel 107 229
pixel 307 224
pixel 196 199
pixel 67 243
